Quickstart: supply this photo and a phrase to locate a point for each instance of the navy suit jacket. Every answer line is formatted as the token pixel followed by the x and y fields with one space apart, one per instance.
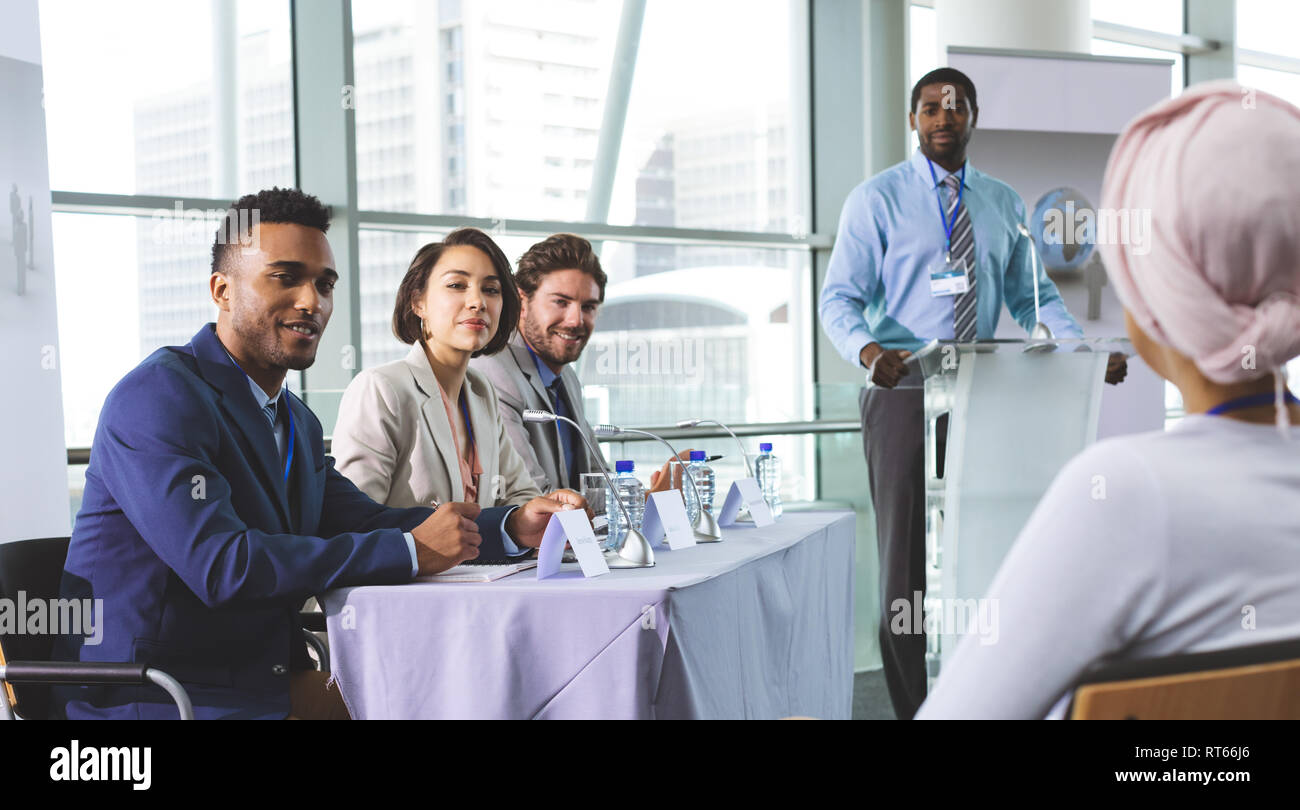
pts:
pixel 202 554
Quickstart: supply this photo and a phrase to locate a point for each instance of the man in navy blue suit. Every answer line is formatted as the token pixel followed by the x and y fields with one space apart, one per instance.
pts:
pixel 211 512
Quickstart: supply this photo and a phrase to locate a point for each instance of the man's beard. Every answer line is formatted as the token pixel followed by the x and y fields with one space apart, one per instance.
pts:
pixel 269 348
pixel 550 348
pixel 956 149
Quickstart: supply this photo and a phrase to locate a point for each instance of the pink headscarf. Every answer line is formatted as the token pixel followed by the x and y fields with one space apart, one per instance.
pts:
pixel 1218 168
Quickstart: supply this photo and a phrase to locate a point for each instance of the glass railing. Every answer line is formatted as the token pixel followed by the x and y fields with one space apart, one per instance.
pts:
pixel 794 442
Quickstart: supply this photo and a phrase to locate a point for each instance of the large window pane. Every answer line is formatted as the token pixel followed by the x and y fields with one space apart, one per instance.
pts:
pixel 494 108
pixel 1279 83
pixel 131 101
pixel 923 42
pixel 713 128
pixel 1269 26
pixel 487 108
pixel 126 287
pixel 97 281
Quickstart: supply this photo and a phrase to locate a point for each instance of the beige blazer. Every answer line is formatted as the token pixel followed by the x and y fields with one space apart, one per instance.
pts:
pixel 393 441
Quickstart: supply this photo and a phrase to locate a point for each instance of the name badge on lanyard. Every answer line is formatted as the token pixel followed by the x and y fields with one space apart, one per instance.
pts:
pixel 949 276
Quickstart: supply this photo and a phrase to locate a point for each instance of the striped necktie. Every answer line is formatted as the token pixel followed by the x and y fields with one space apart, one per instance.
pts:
pixel 963 253
pixel 272 413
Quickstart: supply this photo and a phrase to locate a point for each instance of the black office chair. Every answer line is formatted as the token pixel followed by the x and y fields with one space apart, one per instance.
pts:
pixel 35 567
pixel 26 671
pixel 1259 682
pixel 313 622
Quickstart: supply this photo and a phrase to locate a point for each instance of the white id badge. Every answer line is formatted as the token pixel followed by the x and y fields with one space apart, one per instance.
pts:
pixel 948 278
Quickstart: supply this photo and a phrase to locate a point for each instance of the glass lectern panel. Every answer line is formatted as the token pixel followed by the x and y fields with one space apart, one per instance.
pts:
pixel 1016 412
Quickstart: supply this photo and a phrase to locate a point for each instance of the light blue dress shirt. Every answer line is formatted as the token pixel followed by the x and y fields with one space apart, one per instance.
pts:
pixel 891 235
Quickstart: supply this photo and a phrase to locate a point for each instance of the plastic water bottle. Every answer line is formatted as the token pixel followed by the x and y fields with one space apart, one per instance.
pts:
pixel 631 494
pixel 768 471
pixel 702 473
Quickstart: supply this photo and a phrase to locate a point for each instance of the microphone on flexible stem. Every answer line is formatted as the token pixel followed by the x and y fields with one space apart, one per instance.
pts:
pixel 1040 330
pixel 689 423
pixel 705 526
pixel 743 516
pixel 635 551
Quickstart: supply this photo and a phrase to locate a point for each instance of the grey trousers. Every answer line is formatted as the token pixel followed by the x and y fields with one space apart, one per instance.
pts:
pixel 893 440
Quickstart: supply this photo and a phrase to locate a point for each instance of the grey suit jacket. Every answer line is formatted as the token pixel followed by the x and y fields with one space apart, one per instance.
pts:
pixel 393 440
pixel 518 386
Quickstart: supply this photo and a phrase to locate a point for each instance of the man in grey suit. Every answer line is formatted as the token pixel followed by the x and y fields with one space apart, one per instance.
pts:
pixel 561 286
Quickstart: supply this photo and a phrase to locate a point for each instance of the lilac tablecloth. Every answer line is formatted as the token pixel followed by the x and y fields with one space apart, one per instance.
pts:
pixel 757 626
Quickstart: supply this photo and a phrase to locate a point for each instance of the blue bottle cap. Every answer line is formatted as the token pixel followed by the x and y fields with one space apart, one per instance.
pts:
pixel 765 447
pixel 698 455
pixel 624 466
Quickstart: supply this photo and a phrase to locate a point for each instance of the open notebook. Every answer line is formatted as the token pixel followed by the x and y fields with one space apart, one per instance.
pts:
pixel 479 572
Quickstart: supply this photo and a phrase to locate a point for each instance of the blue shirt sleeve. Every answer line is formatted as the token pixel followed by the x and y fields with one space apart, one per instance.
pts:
pixel 415 562
pixel 852 277
pixel 507 542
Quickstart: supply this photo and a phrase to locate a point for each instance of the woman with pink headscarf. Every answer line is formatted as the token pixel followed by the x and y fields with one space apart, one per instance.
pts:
pixel 1188 540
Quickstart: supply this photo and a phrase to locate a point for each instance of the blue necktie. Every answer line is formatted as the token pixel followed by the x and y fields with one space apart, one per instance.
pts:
pixel 556 390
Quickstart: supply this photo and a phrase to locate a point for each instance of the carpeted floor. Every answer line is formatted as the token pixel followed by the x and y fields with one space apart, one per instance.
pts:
pixel 871 697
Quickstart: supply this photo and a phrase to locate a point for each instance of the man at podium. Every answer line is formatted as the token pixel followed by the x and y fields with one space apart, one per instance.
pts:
pixel 927 249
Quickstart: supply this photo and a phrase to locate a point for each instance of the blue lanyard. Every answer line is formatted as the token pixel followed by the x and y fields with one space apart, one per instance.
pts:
pixel 961 187
pixel 288 412
pixel 1251 401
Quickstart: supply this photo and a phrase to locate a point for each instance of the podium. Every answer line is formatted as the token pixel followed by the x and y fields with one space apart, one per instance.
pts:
pixel 1016 412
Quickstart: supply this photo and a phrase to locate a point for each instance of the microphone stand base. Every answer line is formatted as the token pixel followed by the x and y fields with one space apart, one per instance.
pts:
pixel 706 528
pixel 635 553
pixel 616 562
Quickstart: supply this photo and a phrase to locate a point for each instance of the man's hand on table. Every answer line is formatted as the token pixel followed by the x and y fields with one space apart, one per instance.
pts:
pixel 527 524
pixel 886 366
pixel 1116 368
pixel 447 538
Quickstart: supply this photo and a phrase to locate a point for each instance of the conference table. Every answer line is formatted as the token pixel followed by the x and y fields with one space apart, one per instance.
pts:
pixel 759 625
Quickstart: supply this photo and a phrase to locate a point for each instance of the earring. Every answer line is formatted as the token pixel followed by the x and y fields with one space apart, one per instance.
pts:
pixel 423 334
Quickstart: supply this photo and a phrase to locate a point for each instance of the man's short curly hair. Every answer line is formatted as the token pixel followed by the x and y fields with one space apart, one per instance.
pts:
pixel 561 251
pixel 945 75
pixel 273 205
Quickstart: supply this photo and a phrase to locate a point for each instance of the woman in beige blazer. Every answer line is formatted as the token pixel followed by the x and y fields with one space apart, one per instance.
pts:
pixel 426 430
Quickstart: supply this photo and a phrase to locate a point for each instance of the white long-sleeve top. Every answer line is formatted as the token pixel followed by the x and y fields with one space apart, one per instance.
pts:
pixel 1144 546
